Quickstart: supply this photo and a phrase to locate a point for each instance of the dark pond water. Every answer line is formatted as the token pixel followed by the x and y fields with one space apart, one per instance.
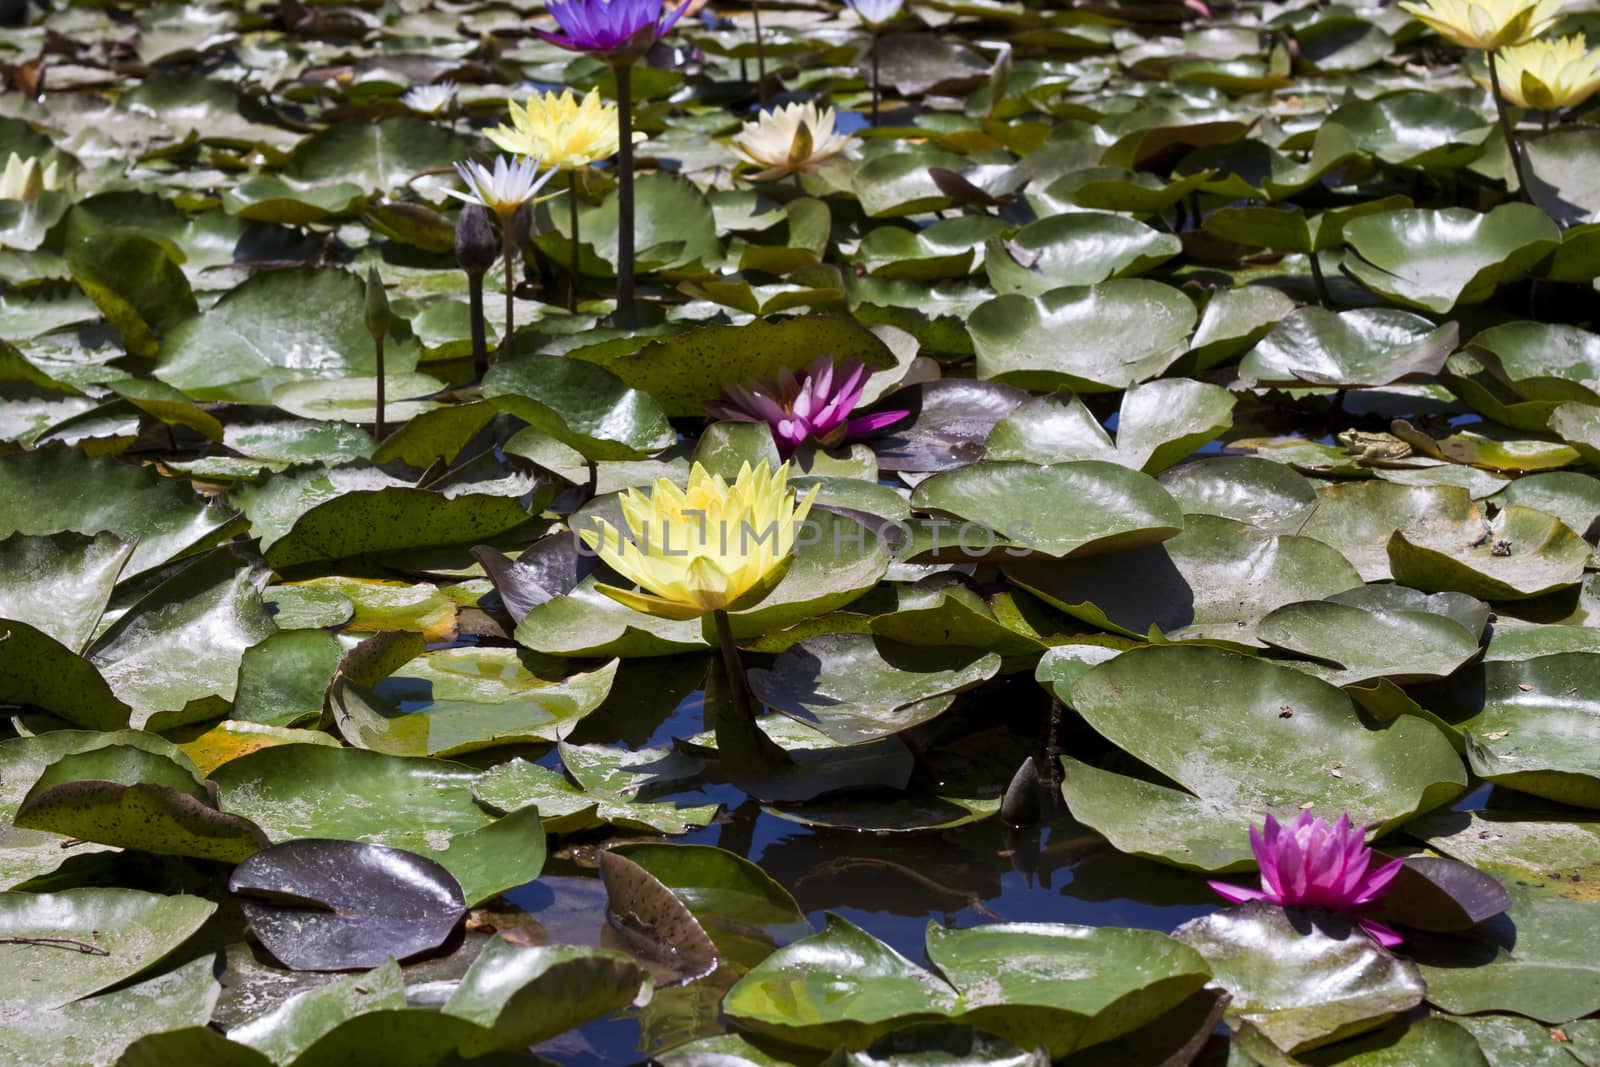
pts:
pixel 891 885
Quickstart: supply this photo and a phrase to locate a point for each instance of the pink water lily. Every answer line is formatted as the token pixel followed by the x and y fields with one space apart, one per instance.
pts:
pixel 815 407
pixel 1310 864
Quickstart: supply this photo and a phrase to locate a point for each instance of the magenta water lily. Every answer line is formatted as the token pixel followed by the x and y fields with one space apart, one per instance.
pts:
pixel 813 407
pixel 1310 864
pixel 616 30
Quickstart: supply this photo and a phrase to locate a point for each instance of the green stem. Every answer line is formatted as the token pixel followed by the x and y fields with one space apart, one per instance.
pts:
pixel 508 249
pixel 572 237
pixel 737 682
pixel 1517 162
pixel 378 343
pixel 875 90
pixel 1322 283
pixel 480 334
pixel 625 191
pixel 761 56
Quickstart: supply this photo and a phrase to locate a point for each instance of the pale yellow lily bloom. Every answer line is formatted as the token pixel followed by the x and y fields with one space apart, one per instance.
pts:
pixel 25 179
pixel 796 137
pixel 560 131
pixel 1487 24
pixel 709 546
pixel 1547 74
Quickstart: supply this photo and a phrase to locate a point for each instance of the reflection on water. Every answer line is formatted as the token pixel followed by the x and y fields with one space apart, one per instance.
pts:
pixel 891 885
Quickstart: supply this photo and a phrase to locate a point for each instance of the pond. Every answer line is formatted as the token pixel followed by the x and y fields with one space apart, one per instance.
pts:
pixel 771 533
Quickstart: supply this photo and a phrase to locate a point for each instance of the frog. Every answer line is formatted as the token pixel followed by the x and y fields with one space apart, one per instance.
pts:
pixel 1375 449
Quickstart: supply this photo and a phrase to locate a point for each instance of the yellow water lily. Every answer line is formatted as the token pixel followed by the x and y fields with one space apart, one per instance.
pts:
pixel 25 179
pixel 1548 73
pixel 562 132
pixel 796 137
pixel 708 547
pixel 1487 24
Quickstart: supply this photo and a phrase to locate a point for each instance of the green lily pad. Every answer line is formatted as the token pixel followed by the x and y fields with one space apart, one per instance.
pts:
pixel 856 688
pixel 1170 706
pixel 463 699
pixel 1518 718
pixel 716 883
pixel 1063 987
pixel 422 805
pixel 1214 581
pixel 1544 850
pixel 95 1031
pixel 1081 248
pixel 1435 259
pixel 132 798
pixel 685 372
pixel 1359 644
pixel 1112 509
pixel 1158 424
pixel 137 285
pixel 1094 338
pixel 379 156
pixel 518 785
pixel 1245 489
pixel 1302 980
pixel 277 327
pixel 1545 974
pixel 130 930
pixel 1520 553
pixel 322 515
pixel 164 519
pixel 581 405
pixel 1349 348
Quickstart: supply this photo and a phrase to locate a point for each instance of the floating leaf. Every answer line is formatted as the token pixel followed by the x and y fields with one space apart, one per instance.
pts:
pixel 322 905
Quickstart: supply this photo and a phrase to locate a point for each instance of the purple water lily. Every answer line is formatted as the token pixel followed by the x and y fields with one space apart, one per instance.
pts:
pixel 1310 864
pixel 614 29
pixel 815 407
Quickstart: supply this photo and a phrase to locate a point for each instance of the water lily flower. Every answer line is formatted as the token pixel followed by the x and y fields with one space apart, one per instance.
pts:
pixel 614 30
pixel 709 547
pixel 875 12
pixel 503 188
pixel 1548 74
pixel 1310 864
pixel 429 99
pixel 1486 24
pixel 617 32
pixel 816 407
pixel 25 179
pixel 560 131
pixel 790 139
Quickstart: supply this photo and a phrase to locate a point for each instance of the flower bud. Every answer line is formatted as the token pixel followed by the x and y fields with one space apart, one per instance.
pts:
pixel 476 249
pixel 377 311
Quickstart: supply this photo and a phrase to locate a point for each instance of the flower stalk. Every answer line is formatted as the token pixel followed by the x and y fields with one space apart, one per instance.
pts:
pixel 475 254
pixel 1518 163
pixel 738 684
pixel 376 315
pixel 761 56
pixel 624 190
pixel 572 240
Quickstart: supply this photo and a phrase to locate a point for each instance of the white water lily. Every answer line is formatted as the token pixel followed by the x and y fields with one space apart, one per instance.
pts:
pixel 429 99
pixel 796 137
pixel 25 179
pixel 514 181
pixel 875 12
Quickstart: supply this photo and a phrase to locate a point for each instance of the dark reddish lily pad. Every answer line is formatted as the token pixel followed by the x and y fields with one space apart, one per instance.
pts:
pixel 324 905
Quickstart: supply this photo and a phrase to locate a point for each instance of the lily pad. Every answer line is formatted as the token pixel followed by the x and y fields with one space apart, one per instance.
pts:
pixel 1095 338
pixel 1210 721
pixel 60 947
pixel 1302 979
pixel 1435 259
pixel 325 905
pixel 856 688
